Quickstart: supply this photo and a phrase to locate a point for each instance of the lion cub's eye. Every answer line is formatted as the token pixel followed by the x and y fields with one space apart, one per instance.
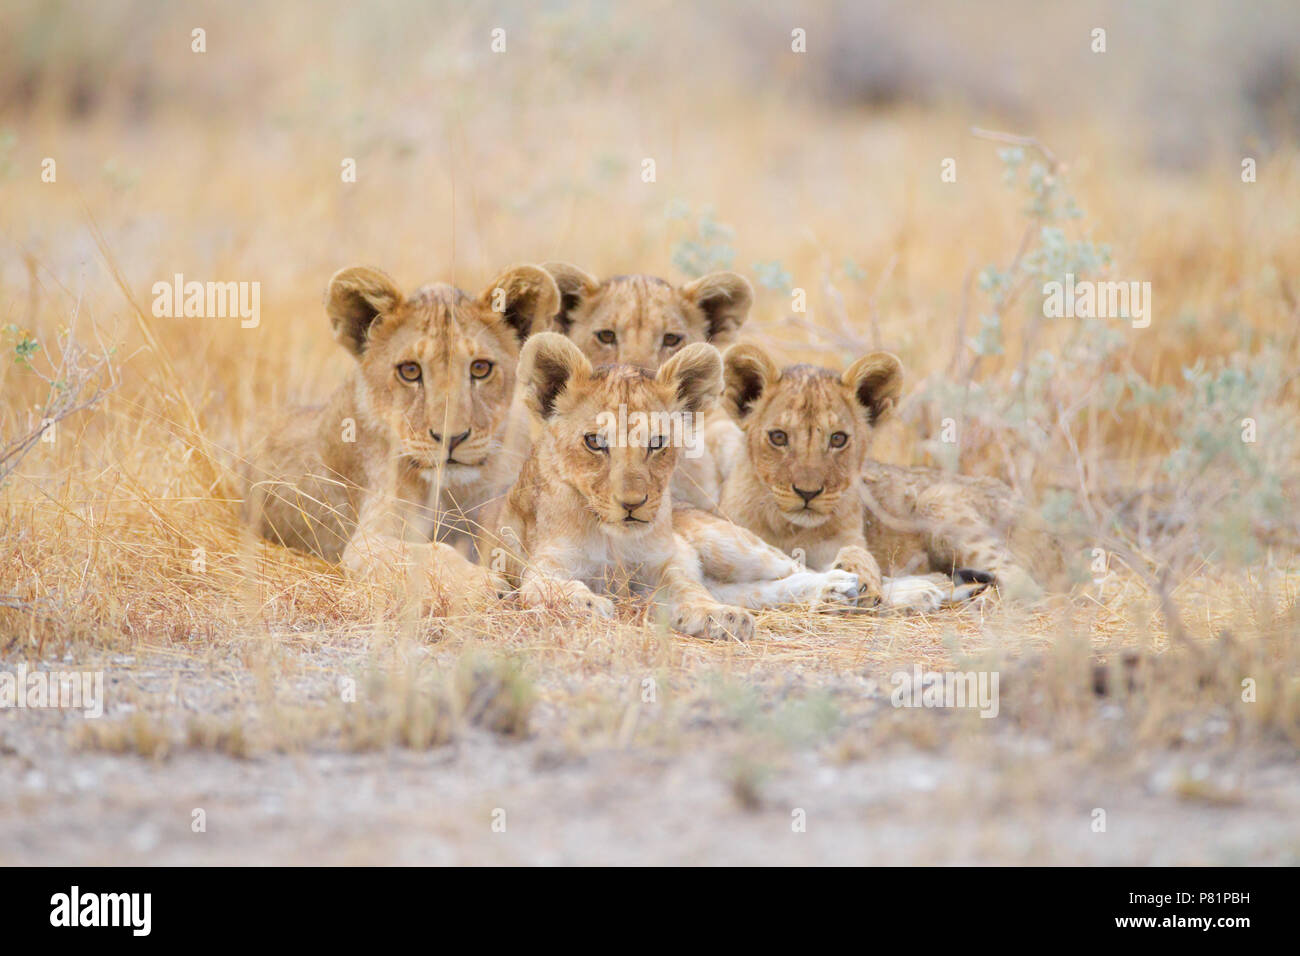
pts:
pixel 606 337
pixel 839 439
pixel 657 442
pixel 595 442
pixel 409 371
pixel 672 340
pixel 480 368
pixel 778 438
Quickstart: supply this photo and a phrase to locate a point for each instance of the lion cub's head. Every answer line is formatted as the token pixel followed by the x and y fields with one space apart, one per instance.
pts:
pixel 643 321
pixel 437 369
pixel 613 433
pixel 807 429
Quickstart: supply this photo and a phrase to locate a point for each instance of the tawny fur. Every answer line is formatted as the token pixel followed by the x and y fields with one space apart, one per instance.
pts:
pixel 805 429
pixel 387 464
pixel 642 320
pixel 582 522
pixel 923 518
pixel 809 428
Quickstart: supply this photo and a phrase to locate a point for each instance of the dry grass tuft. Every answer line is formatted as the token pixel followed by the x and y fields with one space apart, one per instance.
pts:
pixel 120 545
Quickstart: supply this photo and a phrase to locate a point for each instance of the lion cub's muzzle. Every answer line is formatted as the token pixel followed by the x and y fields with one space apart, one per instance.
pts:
pixel 632 508
pixel 630 512
pixel 806 506
pixel 469 447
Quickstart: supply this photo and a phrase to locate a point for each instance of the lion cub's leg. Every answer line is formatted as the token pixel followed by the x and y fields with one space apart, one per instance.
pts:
pixel 692 609
pixel 929 592
pixel 375 552
pixel 551 578
pixel 542 589
pixel 739 567
pixel 548 579
pixel 444 570
pixel 857 560
pixel 378 547
pixel 960 537
pixel 728 552
pixel 802 587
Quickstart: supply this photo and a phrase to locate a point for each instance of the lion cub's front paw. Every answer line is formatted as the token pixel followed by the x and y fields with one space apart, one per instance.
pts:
pixel 481 582
pixel 840 587
pixel 718 622
pixel 859 562
pixel 573 595
pixel 913 593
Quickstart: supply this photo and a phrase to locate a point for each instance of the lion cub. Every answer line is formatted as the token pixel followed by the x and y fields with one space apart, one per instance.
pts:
pixel 797 482
pixel 643 320
pixel 409 447
pixel 590 511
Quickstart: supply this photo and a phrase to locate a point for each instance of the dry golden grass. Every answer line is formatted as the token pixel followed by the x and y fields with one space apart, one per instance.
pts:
pixel 121 536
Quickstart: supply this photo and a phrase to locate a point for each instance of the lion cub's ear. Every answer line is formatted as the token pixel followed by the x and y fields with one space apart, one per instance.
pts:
pixel 725 298
pixel 695 376
pixel 574 285
pixel 876 380
pixel 748 371
pixel 525 297
pixel 549 365
pixel 357 297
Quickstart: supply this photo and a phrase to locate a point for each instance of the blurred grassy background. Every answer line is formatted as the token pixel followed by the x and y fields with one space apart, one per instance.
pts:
pixel 119 545
pixel 818 170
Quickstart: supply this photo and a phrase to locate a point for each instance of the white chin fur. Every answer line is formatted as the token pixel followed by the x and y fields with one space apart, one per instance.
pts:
pixel 453 472
pixel 806 519
pixel 621 529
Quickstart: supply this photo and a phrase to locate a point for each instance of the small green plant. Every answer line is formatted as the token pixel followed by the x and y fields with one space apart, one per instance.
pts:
pixel 773 275
pixel 80 381
pixel 709 249
pixel 1222 480
pixel 24 345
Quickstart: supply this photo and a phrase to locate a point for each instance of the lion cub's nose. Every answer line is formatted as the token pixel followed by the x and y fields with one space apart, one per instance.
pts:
pixel 455 439
pixel 807 496
pixel 631 506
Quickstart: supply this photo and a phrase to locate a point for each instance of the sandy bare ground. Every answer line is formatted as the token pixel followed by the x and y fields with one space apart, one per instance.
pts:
pixel 1161 455
pixel 714 774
